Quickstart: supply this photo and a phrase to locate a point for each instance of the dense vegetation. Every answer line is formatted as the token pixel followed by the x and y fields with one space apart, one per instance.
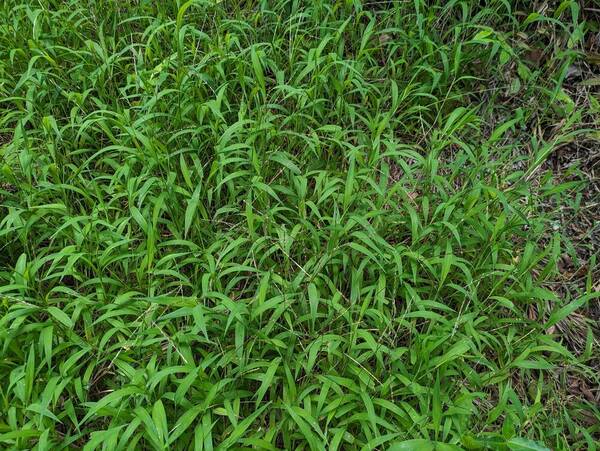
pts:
pixel 299 225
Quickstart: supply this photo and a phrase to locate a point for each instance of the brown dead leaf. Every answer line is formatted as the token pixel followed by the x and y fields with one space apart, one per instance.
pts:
pixel 593 58
pixel 8 187
pixel 565 263
pixel 535 56
pixel 532 313
pixel 384 37
pixel 5 138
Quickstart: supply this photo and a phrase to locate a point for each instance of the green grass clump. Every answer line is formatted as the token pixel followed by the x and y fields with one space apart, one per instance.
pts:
pixel 292 225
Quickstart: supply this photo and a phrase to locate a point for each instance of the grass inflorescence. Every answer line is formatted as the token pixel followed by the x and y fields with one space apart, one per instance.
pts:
pixel 298 225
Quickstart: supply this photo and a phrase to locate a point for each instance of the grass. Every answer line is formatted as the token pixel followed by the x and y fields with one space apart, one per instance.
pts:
pixel 298 225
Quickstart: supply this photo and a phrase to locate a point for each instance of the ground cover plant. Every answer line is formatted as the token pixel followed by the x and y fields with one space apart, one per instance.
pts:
pixel 299 225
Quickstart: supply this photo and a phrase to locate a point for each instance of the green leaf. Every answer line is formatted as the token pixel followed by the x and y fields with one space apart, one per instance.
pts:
pixel 422 445
pixel 190 211
pixel 523 444
pixel 159 417
pixel 267 380
pixel 60 316
pixel 258 70
pixel 566 310
pixel 241 428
